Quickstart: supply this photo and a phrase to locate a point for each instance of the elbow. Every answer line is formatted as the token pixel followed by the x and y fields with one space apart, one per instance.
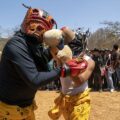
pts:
pixel 92 65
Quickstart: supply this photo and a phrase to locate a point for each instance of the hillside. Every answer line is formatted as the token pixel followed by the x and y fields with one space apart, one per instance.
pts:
pixel 101 44
pixel 2 43
pixel 92 44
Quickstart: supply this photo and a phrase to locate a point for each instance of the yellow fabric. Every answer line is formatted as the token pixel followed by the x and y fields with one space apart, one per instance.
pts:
pixel 75 107
pixel 14 112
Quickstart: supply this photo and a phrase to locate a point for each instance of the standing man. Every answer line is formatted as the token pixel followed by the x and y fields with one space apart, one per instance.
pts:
pixel 97 71
pixel 23 67
pixel 115 60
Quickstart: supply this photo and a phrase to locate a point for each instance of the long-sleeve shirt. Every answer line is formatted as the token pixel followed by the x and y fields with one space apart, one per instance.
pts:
pixel 21 74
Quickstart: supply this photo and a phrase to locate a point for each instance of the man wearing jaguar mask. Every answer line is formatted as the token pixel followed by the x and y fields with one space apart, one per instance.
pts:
pixel 23 67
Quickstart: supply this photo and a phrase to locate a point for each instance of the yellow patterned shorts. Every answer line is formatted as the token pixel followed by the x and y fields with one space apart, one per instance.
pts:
pixel 76 107
pixel 14 112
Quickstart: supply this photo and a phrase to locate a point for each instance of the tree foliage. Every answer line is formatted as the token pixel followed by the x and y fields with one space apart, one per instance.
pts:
pixel 105 37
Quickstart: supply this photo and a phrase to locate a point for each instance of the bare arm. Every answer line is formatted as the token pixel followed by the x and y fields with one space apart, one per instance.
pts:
pixel 82 77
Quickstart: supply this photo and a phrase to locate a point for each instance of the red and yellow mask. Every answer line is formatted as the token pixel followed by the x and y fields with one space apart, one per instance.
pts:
pixel 36 22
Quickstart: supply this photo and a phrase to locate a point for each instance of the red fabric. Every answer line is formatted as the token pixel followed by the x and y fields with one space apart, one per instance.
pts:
pixel 77 66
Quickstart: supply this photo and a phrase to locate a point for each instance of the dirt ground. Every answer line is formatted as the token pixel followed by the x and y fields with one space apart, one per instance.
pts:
pixel 105 105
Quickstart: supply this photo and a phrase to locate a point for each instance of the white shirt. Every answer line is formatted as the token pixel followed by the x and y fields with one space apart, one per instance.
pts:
pixel 68 85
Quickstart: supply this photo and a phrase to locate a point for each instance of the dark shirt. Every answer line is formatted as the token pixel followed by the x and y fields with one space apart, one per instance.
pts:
pixel 115 56
pixel 23 69
pixel 97 64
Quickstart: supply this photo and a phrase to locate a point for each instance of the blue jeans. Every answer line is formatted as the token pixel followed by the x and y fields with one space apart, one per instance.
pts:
pixel 110 79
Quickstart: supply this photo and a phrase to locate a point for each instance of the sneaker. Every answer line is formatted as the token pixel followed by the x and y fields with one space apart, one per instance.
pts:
pixel 100 90
pixel 111 90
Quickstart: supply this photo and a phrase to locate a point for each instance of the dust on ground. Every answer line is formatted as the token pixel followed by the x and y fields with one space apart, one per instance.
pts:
pixel 105 105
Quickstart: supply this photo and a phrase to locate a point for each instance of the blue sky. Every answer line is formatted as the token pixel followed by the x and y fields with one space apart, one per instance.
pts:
pixel 72 13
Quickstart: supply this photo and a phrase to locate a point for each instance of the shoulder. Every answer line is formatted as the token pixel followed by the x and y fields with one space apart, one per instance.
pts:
pixel 90 61
pixel 15 46
pixel 18 40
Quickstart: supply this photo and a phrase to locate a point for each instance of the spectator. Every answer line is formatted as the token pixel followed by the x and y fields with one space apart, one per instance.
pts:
pixel 115 59
pixel 97 71
pixel 110 71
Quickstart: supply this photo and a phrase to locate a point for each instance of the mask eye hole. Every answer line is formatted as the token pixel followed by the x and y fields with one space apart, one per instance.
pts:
pixel 44 16
pixel 32 29
pixel 39 28
pixel 52 21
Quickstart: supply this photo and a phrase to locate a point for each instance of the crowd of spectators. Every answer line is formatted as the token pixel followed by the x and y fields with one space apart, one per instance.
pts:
pixel 106 75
